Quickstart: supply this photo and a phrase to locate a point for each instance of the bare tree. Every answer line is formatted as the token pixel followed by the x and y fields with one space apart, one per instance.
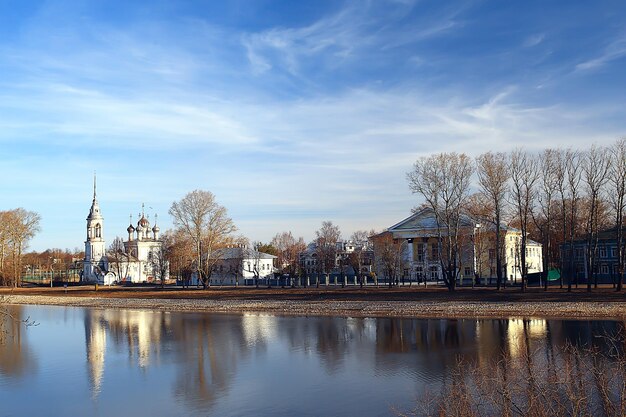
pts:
pixel 443 181
pixel 358 257
pixel 389 256
pixel 480 208
pixel 253 256
pixel 289 249
pixel 182 256
pixel 159 258
pixel 119 260
pixel 560 175
pixel 326 246
pixel 493 177
pixel 21 226
pixel 595 169
pixel 235 264
pixel 4 243
pixel 617 199
pixel 547 190
pixel 573 169
pixel 524 176
pixel 203 220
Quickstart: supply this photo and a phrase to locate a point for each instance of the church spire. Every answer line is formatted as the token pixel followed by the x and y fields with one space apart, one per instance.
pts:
pixel 94 211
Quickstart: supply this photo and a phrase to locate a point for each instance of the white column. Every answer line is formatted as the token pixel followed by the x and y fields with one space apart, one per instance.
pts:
pixel 411 258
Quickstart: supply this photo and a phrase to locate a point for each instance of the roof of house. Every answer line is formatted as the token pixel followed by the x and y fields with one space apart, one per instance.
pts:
pixel 241 253
pixel 424 219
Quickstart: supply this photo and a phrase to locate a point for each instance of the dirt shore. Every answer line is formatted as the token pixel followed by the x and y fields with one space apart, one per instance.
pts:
pixel 603 303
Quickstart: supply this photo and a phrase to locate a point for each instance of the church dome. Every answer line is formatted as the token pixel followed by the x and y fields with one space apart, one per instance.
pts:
pixel 143 222
pixel 156 229
pixel 130 229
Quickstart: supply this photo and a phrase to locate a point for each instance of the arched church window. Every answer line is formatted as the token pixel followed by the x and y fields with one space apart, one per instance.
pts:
pixel 98 230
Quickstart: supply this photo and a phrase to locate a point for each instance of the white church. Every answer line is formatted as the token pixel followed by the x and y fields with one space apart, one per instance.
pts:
pixel 140 260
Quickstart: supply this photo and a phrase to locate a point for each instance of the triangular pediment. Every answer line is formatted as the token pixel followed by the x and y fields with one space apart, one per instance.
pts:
pixel 423 219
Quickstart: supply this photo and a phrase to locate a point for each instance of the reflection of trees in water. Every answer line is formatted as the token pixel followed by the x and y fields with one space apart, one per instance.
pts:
pixel 581 379
pixel 332 339
pixel 599 334
pixel 209 348
pixel 16 359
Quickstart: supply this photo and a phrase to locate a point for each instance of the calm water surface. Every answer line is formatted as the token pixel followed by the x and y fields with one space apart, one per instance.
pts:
pixel 80 362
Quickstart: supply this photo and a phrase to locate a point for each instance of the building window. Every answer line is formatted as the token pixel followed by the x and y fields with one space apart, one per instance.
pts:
pixel 420 252
pixel 434 273
pixel 602 251
pixel 434 251
pixel 418 272
pixel 604 269
pixel 613 252
pixel 468 271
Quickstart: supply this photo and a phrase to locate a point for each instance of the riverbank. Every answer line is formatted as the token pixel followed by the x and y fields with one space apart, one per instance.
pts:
pixel 603 303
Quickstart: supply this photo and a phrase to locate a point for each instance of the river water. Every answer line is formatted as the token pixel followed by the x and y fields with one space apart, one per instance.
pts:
pixel 115 362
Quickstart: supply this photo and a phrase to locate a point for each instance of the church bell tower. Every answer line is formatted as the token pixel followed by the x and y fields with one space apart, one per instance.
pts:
pixel 95 264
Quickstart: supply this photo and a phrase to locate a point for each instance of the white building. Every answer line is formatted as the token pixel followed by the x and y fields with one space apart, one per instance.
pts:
pixel 477 258
pixel 311 264
pixel 239 265
pixel 140 260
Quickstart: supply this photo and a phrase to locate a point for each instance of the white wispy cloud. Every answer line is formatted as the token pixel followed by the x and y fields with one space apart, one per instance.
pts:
pixel 357 29
pixel 534 40
pixel 615 50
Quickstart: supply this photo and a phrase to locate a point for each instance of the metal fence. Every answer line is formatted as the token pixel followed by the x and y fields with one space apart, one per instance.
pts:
pixel 48 277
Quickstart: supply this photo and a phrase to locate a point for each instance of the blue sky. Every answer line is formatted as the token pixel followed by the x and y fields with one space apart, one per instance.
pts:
pixel 291 113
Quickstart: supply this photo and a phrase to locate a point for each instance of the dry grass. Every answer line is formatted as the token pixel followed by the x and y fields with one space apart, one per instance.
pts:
pixel 577 382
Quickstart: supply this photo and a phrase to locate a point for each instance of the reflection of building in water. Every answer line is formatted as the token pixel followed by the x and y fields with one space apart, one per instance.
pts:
pixel 95 339
pixel 209 353
pixel 139 331
pixel 520 332
pixel 258 329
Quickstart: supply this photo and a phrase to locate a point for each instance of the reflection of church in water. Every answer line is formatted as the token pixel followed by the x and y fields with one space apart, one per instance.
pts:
pixel 139 332
pixel 138 260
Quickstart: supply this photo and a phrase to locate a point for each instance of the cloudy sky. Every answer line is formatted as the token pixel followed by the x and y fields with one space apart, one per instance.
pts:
pixel 290 112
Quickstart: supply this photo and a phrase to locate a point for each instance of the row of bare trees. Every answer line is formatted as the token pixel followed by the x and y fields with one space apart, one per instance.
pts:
pixel 558 195
pixel 17 228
